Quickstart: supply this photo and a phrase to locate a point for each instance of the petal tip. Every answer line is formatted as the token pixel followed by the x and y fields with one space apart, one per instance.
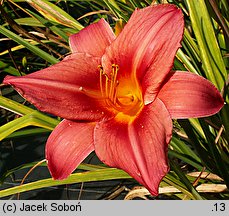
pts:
pixel 93 39
pixel 7 79
pixel 187 95
pixel 65 149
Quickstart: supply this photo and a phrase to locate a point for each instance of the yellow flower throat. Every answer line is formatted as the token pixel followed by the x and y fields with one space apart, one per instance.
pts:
pixel 123 96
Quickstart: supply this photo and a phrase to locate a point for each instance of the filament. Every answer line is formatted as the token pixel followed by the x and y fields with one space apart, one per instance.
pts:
pixel 113 96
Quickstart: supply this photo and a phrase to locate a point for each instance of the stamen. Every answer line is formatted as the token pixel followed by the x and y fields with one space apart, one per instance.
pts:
pixel 90 93
pixel 123 99
pixel 113 86
pixel 115 92
pixel 101 79
pixel 107 80
pixel 108 87
pixel 124 103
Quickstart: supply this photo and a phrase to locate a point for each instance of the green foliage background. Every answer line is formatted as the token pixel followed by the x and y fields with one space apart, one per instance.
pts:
pixel 34 34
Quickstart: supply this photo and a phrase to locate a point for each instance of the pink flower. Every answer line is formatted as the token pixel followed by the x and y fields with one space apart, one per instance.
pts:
pixel 118 95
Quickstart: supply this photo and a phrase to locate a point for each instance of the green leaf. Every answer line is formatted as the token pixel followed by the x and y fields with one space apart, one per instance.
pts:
pixel 19 47
pixel 32 119
pixel 96 175
pixel 9 69
pixel 197 145
pixel 82 166
pixel 183 148
pixel 14 106
pixel 221 168
pixel 170 179
pixel 209 49
pixel 54 13
pixel 51 26
pixel 180 54
pixel 185 180
pixel 28 132
pixel 185 159
pixel 28 45
pixel 28 21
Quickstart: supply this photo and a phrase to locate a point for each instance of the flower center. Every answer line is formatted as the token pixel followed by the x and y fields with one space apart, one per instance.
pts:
pixel 124 96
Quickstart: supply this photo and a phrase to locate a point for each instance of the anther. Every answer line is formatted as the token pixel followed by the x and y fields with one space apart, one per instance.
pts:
pixel 100 67
pixel 109 90
pixel 115 66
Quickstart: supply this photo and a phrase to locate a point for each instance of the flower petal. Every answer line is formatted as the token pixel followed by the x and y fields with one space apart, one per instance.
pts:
pixel 138 147
pixel 60 89
pixel 147 46
pixel 187 95
pixel 67 146
pixel 93 39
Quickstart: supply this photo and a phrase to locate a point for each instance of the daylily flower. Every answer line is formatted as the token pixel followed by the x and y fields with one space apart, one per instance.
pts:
pixel 118 96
